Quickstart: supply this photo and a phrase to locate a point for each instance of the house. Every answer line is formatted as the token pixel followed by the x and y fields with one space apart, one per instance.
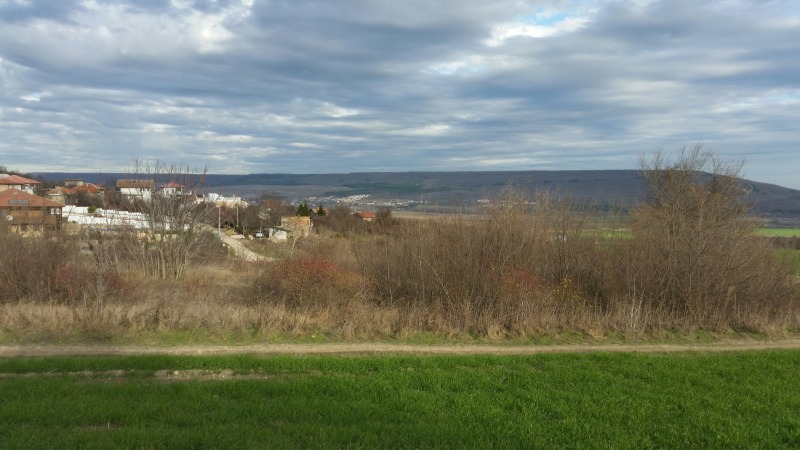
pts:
pixel 26 212
pixel 296 226
pixel 17 182
pixel 367 216
pixel 220 200
pixel 77 192
pixel 173 189
pixel 136 189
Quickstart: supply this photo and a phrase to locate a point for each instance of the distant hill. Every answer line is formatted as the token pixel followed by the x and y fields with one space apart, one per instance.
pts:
pixel 602 187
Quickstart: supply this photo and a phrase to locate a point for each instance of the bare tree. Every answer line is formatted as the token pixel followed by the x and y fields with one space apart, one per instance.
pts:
pixel 172 233
pixel 693 236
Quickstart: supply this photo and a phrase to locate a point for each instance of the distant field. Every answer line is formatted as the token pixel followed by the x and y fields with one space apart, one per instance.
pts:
pixel 780 232
pixel 624 400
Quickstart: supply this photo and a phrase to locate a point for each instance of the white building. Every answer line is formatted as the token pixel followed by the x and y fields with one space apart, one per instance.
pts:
pixel 136 189
pixel 17 182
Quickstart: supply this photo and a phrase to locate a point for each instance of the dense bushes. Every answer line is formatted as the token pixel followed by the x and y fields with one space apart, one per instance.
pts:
pixel 52 269
pixel 690 260
pixel 784 242
pixel 496 269
pixel 29 266
pixel 694 245
pixel 307 282
pixel 342 221
pixel 685 258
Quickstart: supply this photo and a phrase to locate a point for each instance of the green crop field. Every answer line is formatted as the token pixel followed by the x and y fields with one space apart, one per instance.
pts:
pixel 600 400
pixel 779 232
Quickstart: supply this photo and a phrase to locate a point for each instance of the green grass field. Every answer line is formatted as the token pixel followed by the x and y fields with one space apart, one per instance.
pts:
pixel 778 232
pixel 706 400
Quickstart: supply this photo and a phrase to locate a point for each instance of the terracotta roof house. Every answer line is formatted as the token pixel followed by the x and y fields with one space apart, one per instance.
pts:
pixel 27 213
pixel 368 216
pixel 136 189
pixel 17 182
pixel 65 194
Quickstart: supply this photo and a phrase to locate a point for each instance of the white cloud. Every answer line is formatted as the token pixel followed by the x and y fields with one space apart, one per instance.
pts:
pixel 468 66
pixel 305 145
pixel 156 127
pixel 438 129
pixel 216 137
pixel 506 31
pixel 35 96
pixel 544 22
pixel 332 110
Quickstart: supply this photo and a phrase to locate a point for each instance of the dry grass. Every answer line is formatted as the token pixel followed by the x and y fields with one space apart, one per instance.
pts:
pixel 211 301
pixel 220 300
pixel 524 268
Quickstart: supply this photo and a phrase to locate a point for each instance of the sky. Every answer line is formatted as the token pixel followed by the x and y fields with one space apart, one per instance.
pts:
pixel 296 86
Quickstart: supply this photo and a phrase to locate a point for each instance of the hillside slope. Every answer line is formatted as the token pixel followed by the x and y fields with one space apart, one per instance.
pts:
pixel 603 187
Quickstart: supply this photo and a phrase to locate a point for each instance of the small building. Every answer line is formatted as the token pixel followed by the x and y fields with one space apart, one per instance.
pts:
pixel 17 182
pixel 73 182
pixel 173 189
pixel 220 200
pixel 296 226
pixel 367 216
pixel 69 195
pixel 136 189
pixel 27 213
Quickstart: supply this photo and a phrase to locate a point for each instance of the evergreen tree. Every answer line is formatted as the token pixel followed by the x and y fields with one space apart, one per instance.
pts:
pixel 303 210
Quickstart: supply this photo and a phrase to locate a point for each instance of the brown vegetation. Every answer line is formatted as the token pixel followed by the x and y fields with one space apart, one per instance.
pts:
pixel 688 260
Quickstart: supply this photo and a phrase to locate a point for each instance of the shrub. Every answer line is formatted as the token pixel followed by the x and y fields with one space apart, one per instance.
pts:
pixel 307 281
pixel 500 268
pixel 28 265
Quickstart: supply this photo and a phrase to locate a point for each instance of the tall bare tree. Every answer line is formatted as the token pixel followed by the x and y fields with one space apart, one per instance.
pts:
pixel 694 236
pixel 173 232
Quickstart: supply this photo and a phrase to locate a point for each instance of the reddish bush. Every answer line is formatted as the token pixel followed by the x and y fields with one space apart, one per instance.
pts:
pixel 307 281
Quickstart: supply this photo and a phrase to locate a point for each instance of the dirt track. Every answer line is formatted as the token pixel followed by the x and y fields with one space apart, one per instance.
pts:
pixel 384 348
pixel 238 248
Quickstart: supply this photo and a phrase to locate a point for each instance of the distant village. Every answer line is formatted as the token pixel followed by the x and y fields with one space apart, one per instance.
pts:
pixel 31 206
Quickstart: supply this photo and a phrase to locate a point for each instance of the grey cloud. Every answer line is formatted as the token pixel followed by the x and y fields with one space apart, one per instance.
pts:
pixel 364 85
pixel 13 11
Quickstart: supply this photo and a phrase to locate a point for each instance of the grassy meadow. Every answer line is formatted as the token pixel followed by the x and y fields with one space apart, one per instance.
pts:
pixel 601 400
pixel 778 232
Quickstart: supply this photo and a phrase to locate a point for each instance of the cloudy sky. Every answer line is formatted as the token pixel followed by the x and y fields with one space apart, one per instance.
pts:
pixel 299 86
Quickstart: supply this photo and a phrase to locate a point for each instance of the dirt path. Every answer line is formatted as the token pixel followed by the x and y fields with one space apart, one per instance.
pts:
pixel 238 248
pixel 385 348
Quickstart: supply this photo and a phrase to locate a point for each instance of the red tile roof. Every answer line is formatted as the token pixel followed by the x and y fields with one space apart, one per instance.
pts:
pixel 89 188
pixel 16 179
pixel 14 198
pixel 172 184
